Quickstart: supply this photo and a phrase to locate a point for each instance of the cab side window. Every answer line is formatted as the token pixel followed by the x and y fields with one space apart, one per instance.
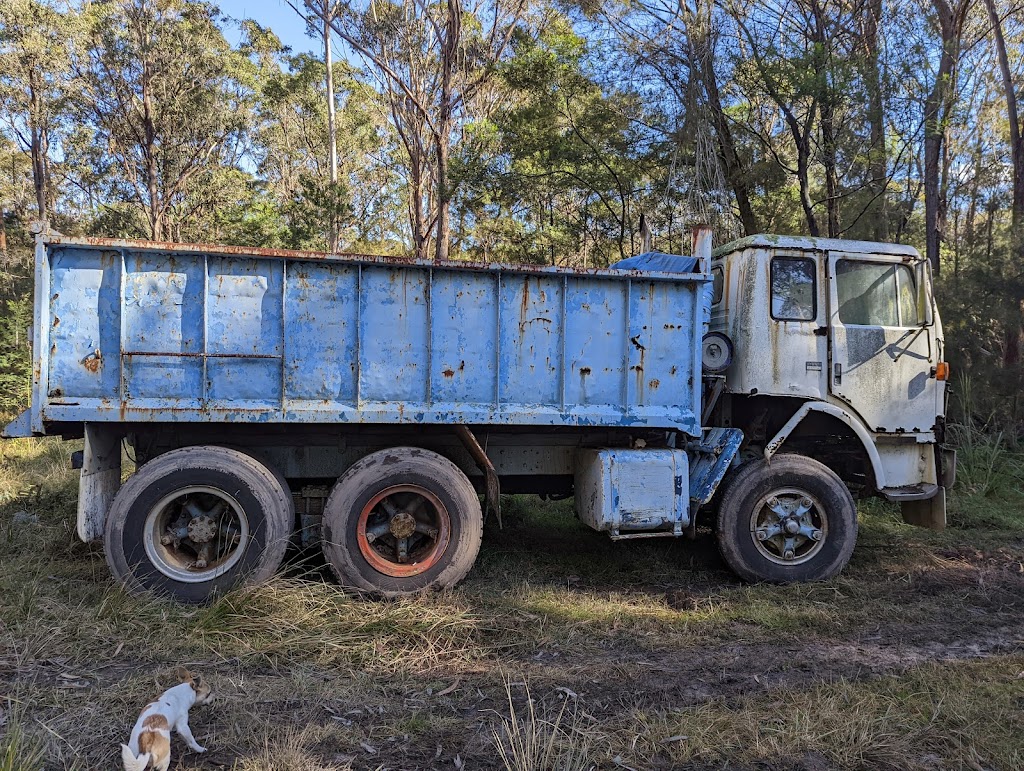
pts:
pixel 794 290
pixel 876 294
pixel 718 276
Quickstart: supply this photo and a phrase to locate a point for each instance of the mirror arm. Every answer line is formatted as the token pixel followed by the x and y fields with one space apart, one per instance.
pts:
pixel 910 342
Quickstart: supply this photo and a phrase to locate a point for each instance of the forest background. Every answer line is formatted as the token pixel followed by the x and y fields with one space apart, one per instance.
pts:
pixel 539 131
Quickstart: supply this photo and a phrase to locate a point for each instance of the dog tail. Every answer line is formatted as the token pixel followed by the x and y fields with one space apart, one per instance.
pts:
pixel 132 763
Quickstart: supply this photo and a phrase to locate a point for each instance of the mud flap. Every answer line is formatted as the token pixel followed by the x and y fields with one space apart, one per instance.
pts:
pixel 100 481
pixel 929 513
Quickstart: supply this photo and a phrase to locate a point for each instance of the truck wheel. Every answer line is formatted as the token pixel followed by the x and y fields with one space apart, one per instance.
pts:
pixel 198 521
pixel 786 521
pixel 402 521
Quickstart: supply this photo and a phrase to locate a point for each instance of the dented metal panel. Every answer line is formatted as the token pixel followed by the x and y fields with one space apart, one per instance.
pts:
pixel 623 491
pixel 139 331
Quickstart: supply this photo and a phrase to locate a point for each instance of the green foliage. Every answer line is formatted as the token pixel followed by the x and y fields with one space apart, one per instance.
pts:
pixel 15 358
pixel 150 123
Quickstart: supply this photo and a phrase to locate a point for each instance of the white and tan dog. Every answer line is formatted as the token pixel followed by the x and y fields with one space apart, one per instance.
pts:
pixel 150 743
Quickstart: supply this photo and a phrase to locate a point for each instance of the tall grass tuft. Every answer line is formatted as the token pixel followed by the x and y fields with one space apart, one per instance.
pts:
pixel 989 491
pixel 542 739
pixel 18 750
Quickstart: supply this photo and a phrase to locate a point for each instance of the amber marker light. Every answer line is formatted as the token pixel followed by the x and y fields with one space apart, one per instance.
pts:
pixel 941 371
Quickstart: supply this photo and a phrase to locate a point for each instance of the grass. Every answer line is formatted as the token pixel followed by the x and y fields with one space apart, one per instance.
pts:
pixel 539 735
pixel 561 649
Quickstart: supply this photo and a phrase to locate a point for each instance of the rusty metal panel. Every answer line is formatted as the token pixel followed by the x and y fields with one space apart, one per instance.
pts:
pixel 530 356
pixel 595 339
pixel 159 332
pixel 163 330
pixel 394 330
pixel 462 345
pixel 84 322
pixel 320 329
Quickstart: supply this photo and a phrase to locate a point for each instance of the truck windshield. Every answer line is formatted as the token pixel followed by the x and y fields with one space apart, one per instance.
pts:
pixel 876 294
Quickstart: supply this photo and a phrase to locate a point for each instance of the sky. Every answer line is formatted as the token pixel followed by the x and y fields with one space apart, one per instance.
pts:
pixel 275 14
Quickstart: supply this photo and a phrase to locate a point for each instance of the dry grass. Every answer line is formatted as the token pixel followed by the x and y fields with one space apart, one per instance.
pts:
pixel 910 660
pixel 292 750
pixel 325 627
pixel 539 736
pixel 918 720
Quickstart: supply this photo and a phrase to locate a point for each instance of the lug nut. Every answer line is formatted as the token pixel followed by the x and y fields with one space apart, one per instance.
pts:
pixel 816 535
pixel 789 554
pixel 806 503
pixel 762 535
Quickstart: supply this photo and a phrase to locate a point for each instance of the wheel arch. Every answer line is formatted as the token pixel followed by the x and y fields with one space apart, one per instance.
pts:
pixel 834 413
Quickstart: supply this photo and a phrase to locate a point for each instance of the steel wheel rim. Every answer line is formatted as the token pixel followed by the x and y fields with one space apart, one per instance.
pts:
pixel 213 517
pixel 403 512
pixel 789 526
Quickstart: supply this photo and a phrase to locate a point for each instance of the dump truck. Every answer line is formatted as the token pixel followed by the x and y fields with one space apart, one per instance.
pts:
pixel 367 404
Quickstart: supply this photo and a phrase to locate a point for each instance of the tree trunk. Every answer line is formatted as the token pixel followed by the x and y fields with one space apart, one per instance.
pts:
pixel 1016 141
pixel 936 111
pixel 1014 321
pixel 332 132
pixel 878 160
pixel 803 163
pixel 732 166
pixel 450 48
pixel 821 37
pixel 443 204
pixel 150 149
pixel 420 238
pixel 39 143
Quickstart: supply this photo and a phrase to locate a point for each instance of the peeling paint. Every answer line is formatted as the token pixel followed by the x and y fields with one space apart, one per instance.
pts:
pixel 194 333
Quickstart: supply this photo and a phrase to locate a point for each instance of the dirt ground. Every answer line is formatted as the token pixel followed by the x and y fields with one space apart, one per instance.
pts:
pixel 561 650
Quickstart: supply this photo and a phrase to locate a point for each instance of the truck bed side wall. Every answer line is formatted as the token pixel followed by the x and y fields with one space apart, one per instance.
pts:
pixel 151 334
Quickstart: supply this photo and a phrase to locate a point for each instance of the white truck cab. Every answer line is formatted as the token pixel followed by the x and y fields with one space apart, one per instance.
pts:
pixel 837 353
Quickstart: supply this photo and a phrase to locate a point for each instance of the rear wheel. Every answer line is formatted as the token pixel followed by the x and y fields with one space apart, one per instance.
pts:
pixel 401 521
pixel 198 521
pixel 786 521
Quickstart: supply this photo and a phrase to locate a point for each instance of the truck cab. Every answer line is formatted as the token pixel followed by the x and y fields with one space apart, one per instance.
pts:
pixel 836 354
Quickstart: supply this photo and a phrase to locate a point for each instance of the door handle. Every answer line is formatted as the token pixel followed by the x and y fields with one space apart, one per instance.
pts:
pixel 837 373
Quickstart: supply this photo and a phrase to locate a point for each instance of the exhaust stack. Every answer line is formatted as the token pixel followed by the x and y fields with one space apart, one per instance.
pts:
pixel 701 246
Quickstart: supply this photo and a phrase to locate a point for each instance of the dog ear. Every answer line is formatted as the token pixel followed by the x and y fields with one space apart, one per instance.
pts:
pixel 183 675
pixel 197 681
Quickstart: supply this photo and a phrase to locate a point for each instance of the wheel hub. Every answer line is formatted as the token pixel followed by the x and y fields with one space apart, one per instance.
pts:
pixel 202 529
pixel 402 525
pixel 403 530
pixel 788 526
pixel 196 534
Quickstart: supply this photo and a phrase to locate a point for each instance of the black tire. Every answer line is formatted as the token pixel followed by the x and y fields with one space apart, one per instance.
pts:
pixel 423 482
pixel 246 490
pixel 760 501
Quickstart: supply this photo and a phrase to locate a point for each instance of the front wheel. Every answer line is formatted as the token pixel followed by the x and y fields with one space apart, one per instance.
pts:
pixel 402 521
pixel 786 521
pixel 197 521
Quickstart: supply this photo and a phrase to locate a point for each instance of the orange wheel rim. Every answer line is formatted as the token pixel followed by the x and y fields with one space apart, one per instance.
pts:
pixel 403 530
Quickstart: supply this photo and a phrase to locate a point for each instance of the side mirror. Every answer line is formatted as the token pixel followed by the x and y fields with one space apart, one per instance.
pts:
pixel 923 279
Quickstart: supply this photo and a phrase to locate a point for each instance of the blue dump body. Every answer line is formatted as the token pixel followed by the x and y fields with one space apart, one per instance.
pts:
pixel 143 332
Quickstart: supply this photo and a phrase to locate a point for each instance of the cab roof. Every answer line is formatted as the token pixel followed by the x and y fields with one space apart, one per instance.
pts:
pixel 762 240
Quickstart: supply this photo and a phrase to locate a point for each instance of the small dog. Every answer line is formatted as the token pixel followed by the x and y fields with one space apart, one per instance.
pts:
pixel 150 742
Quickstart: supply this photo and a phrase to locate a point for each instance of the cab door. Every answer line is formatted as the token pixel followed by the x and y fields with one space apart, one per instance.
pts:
pixel 882 353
